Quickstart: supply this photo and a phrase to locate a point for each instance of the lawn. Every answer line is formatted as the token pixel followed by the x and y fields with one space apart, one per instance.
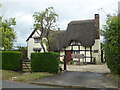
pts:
pixel 22 77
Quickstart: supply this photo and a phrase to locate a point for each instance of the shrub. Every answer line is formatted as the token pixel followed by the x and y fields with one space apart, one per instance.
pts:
pixel 44 62
pixel 71 62
pixel 11 60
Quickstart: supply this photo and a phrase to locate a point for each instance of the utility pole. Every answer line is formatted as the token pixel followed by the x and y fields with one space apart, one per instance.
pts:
pixel 119 7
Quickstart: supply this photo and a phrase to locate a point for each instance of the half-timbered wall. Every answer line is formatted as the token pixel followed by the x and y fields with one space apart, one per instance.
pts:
pixel 90 53
pixel 76 48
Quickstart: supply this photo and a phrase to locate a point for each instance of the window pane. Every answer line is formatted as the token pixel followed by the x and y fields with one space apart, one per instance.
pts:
pixel 37 40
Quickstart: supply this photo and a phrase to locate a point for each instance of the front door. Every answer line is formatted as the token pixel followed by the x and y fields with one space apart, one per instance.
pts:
pixel 68 56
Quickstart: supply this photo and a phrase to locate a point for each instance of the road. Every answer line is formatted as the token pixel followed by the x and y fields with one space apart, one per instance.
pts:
pixel 12 84
pixel 78 79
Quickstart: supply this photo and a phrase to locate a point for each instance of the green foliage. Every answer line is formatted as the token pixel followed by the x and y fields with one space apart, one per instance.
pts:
pixel 112 43
pixel 11 60
pixel 45 21
pixel 102 45
pixel 71 62
pixel 8 35
pixel 44 62
pixel 23 49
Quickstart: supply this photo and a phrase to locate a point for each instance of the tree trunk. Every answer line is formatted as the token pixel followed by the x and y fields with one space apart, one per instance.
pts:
pixel 42 46
pixel 41 39
pixel 48 40
pixel 41 36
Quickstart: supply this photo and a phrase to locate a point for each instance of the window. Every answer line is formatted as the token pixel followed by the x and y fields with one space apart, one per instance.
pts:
pixel 95 51
pixel 36 40
pixel 76 52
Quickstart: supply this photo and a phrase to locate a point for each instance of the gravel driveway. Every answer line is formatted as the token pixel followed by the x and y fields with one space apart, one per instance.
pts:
pixel 88 68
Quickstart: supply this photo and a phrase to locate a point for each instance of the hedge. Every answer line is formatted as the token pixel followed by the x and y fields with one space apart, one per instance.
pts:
pixel 11 60
pixel 44 62
pixel 112 43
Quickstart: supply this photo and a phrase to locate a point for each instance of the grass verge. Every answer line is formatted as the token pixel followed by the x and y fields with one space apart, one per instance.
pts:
pixel 114 77
pixel 23 77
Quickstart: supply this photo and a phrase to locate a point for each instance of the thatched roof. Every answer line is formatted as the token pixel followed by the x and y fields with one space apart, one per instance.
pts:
pixel 82 31
pixel 56 38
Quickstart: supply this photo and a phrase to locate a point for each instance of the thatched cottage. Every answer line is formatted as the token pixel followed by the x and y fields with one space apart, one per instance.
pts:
pixel 80 42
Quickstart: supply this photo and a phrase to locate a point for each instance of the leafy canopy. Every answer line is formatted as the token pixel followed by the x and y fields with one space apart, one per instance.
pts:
pixel 8 35
pixel 45 21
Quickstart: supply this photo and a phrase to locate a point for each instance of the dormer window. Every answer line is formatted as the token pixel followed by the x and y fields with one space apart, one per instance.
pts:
pixel 75 43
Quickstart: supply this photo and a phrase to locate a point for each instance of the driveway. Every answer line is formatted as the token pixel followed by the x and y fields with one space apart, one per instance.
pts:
pixel 88 68
pixel 88 76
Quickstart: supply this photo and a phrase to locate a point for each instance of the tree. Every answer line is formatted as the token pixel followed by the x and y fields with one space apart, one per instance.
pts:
pixel 8 35
pixel 23 49
pixel 45 21
pixel 111 33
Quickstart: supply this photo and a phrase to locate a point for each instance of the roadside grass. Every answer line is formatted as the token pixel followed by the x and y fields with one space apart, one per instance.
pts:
pixel 7 75
pixel 27 77
pixel 23 77
pixel 114 77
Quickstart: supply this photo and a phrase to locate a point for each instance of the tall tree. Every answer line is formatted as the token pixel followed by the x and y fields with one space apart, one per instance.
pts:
pixel 45 21
pixel 8 34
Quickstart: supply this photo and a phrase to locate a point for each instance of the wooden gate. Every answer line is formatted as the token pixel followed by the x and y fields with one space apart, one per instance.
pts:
pixel 26 65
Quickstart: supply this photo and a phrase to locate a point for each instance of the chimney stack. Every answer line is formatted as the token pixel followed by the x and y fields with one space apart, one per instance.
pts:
pixel 97 25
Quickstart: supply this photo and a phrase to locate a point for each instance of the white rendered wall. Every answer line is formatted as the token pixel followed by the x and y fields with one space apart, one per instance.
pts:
pixel 61 55
pixel 97 46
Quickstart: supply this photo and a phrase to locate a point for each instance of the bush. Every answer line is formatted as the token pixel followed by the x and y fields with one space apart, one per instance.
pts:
pixel 71 62
pixel 45 62
pixel 11 60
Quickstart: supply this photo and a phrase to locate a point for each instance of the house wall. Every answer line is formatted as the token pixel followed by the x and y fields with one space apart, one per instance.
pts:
pixel 97 46
pixel 81 52
pixel 97 55
pixel 31 44
pixel 61 55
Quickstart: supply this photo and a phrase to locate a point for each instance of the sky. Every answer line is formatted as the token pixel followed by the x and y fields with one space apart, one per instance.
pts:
pixel 67 10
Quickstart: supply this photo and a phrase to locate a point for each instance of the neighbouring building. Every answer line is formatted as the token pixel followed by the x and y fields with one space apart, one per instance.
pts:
pixel 80 42
pixel 33 43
